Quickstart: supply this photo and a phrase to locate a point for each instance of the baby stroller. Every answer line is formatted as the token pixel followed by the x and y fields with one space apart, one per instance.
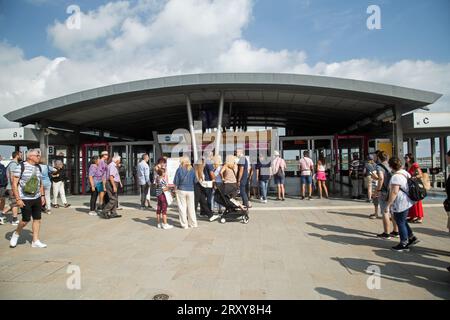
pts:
pixel 233 209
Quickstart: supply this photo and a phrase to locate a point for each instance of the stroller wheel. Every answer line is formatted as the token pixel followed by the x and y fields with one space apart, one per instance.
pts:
pixel 245 219
pixel 222 220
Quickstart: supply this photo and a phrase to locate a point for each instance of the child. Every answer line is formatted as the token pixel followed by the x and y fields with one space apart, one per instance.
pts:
pixel 161 208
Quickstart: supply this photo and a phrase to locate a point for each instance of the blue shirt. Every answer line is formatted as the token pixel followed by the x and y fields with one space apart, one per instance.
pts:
pixel 243 162
pixel 184 179
pixel 208 168
pixel 143 173
pixel 45 175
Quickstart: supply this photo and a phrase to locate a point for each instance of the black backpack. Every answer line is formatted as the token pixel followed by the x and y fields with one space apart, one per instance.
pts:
pixel 417 191
pixel 3 176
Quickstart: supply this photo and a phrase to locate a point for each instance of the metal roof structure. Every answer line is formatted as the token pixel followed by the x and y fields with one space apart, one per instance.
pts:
pixel 303 103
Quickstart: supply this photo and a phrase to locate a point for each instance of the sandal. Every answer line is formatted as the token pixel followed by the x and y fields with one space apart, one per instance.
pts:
pixel 417 221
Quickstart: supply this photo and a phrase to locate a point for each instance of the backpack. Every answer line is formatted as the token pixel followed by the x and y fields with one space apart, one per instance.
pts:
pixel 387 178
pixel 3 176
pixel 280 172
pixel 33 184
pixel 417 190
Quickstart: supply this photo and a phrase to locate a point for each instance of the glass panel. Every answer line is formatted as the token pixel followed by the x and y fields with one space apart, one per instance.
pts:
pixel 292 151
pixel 423 154
pixel 323 147
pixel 344 159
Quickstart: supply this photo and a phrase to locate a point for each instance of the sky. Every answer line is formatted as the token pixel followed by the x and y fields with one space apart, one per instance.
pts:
pixel 41 58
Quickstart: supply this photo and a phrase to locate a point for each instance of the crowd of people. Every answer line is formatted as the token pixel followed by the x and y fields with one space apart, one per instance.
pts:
pixel 28 186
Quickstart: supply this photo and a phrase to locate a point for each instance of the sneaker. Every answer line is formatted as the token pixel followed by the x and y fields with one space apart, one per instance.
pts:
pixel 214 217
pixel 394 234
pixel 400 248
pixel 143 207
pixel 66 205
pixel 413 241
pixel 115 216
pixel 38 244
pixel 303 198
pixel 92 213
pixel 15 221
pixel 159 225
pixel 2 220
pixel 309 198
pixel 14 239
pixel 119 208
pixel 56 206
pixel 167 226
pixel 265 201
pixel 48 212
pixel 373 216
pixel 384 235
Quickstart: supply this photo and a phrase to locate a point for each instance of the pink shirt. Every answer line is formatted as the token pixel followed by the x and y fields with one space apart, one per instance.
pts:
pixel 277 163
pixel 305 166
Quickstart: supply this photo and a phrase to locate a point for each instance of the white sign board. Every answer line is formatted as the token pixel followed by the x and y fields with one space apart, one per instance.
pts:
pixel 12 134
pixel 171 169
pixel 431 120
pixel 170 138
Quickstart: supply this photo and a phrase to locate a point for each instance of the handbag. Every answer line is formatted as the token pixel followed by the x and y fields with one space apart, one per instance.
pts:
pixel 169 197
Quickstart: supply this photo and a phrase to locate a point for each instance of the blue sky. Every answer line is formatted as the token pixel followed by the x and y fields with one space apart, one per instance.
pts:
pixel 328 30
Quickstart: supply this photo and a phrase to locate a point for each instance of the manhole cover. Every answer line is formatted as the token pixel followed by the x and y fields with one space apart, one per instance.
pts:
pixel 161 296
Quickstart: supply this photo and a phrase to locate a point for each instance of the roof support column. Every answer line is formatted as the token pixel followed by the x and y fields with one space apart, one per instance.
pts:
pixel 191 128
pixel 43 141
pixel 433 161
pixel 398 133
pixel 443 152
pixel 219 123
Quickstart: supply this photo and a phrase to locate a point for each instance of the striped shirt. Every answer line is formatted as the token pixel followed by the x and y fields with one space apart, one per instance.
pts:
pixel 27 174
pixel 160 185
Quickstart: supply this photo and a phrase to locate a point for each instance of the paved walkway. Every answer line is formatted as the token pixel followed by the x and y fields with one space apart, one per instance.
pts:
pixel 317 249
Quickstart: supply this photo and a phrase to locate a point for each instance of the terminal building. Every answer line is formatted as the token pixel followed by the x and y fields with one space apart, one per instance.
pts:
pixel 220 112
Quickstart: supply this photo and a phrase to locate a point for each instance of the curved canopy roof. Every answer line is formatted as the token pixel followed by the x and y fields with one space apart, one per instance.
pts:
pixel 303 103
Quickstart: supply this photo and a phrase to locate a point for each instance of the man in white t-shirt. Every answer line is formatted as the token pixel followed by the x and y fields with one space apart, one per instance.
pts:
pixel 400 201
pixel 28 190
pixel 306 167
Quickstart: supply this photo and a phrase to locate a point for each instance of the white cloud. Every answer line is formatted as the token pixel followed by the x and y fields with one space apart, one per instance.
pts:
pixel 125 41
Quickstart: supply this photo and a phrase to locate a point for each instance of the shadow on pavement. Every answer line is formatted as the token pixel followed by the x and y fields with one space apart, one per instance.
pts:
pixel 356 241
pixel 339 295
pixel 348 214
pixel 25 236
pixel 431 232
pixel 333 228
pixel 435 281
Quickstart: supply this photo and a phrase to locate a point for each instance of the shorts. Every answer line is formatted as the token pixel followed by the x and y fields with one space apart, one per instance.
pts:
pixel 33 209
pixel 99 187
pixel 382 200
pixel 161 207
pixel 278 179
pixel 306 179
pixel 3 192
pixel 321 176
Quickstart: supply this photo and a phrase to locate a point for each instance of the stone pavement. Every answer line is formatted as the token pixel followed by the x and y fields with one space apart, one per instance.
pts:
pixel 295 249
